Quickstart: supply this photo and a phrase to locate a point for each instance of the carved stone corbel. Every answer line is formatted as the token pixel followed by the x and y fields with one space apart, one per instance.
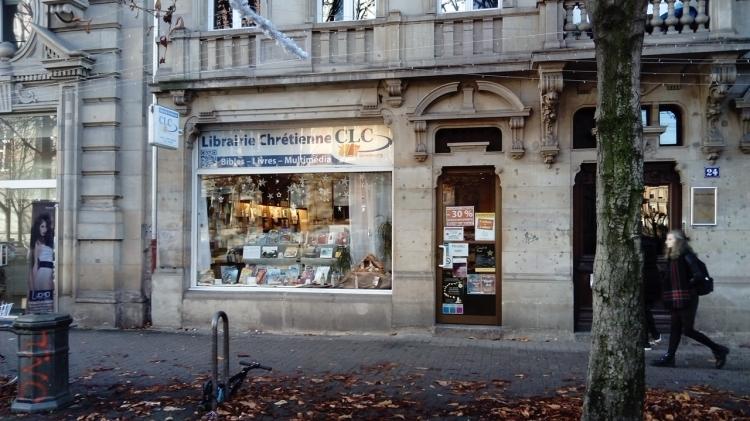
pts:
pixel 420 147
pixel 723 75
pixel 67 12
pixel 182 99
pixel 516 129
pixel 743 106
pixel 395 89
pixel 190 131
pixel 550 87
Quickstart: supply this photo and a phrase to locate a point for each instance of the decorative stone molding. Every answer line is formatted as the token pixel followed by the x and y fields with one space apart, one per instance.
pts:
pixel 723 76
pixel 190 131
pixel 516 128
pixel 6 97
pixel 395 89
pixel 182 99
pixel 743 106
pixel 25 95
pixel 515 112
pixel 61 61
pixel 651 135
pixel 68 12
pixel 420 147
pixel 550 87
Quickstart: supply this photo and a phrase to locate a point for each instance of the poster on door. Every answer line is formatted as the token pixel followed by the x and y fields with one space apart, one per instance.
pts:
pixel 41 281
pixel 459 216
pixel 485 227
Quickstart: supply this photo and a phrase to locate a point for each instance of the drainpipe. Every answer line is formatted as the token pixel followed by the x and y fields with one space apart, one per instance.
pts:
pixel 154 149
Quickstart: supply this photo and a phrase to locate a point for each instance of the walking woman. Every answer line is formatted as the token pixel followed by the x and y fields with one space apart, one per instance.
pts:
pixel 680 298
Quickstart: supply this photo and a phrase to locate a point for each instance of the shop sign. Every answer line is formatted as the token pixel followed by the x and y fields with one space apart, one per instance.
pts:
pixel 459 216
pixel 340 146
pixel 166 128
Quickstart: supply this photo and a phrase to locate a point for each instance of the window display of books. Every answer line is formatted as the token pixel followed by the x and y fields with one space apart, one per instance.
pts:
pixel 290 230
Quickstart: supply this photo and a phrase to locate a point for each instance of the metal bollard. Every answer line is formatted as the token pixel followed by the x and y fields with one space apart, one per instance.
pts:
pixel 42 362
pixel 215 354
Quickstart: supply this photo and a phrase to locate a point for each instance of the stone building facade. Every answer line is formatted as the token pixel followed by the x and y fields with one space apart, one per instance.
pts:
pixel 73 102
pixel 430 163
pixel 489 163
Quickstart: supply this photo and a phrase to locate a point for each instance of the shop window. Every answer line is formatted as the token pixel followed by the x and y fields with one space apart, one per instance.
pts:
pixel 302 230
pixel 671 117
pixel 450 6
pixel 583 126
pixel 28 172
pixel 16 21
pixel 28 148
pixel 223 17
pixel 491 135
pixel 342 10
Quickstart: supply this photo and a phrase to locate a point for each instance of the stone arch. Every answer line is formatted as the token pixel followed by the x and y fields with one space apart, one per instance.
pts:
pixel 434 96
pixel 515 113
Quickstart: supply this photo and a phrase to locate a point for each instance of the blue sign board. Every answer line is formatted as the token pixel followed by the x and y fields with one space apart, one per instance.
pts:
pixel 711 172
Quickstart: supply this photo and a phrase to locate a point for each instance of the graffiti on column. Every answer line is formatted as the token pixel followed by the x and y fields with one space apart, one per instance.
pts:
pixel 34 378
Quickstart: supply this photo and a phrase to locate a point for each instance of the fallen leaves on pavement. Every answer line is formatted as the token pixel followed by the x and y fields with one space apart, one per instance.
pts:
pixel 365 395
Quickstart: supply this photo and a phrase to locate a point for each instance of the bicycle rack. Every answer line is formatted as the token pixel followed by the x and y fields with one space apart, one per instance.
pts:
pixel 215 357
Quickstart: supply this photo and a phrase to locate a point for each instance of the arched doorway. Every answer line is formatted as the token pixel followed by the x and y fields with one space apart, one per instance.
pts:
pixel 662 211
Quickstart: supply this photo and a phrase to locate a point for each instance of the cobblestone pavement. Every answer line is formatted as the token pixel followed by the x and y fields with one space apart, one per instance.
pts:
pixel 533 367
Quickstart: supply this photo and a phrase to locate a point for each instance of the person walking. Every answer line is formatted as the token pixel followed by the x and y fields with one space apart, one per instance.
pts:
pixel 651 288
pixel 680 298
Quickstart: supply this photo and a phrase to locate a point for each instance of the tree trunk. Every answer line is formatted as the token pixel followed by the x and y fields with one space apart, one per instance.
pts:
pixel 615 383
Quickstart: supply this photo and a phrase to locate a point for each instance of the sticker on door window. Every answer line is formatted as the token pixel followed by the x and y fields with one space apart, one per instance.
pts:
pixel 459 216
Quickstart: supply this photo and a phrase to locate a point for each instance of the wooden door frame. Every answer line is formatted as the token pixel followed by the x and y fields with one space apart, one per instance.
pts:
pixel 440 318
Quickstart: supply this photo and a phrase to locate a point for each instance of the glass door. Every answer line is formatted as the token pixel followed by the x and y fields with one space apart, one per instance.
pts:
pixel 468 258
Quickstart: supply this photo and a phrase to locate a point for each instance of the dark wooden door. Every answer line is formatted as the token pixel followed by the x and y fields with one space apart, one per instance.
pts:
pixel 661 211
pixel 468 285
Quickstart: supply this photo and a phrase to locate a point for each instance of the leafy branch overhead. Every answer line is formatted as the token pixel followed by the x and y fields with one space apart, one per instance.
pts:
pixel 167 15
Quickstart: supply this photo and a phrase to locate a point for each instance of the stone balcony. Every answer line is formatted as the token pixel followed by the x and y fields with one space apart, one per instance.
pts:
pixel 395 46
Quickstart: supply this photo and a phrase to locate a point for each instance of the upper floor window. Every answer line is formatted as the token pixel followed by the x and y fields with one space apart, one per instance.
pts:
pixel 449 6
pixel 16 21
pixel 670 117
pixel 492 135
pixel 340 10
pixel 583 128
pixel 223 17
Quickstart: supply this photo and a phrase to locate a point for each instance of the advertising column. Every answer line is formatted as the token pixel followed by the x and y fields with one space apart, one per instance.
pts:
pixel 41 280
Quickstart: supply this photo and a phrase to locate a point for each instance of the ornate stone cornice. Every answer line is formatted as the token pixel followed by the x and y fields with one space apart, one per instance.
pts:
pixel 550 87
pixel 61 60
pixel 722 77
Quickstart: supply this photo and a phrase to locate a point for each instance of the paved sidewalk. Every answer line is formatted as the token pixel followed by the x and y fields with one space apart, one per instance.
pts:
pixel 533 367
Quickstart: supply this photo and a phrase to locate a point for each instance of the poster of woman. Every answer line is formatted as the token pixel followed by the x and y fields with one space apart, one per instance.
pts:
pixel 42 260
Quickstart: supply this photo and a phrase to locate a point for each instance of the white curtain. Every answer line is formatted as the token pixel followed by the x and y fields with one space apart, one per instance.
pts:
pixel 369 207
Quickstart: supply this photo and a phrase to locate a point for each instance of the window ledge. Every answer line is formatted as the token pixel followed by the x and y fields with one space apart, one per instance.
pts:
pixel 283 290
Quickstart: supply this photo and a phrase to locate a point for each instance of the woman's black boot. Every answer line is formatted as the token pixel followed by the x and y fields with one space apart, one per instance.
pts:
pixel 721 356
pixel 666 360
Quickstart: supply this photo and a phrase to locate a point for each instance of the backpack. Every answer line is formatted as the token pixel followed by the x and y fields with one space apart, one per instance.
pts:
pixel 705 285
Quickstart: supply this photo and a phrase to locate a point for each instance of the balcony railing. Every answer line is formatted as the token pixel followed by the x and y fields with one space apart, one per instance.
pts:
pixel 672 17
pixel 439 41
